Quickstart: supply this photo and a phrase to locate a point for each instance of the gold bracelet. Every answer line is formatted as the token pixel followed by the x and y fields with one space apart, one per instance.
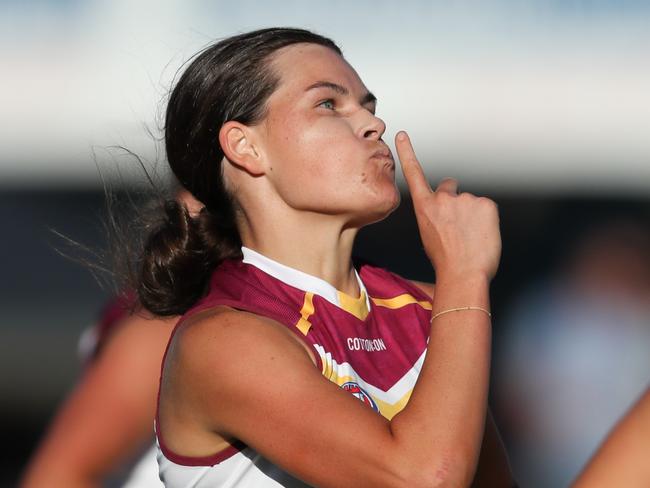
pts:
pixel 460 309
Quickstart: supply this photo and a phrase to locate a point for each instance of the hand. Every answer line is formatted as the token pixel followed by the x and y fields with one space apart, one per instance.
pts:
pixel 460 233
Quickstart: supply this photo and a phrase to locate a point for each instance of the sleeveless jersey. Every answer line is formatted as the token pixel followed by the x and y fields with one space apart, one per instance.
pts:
pixel 372 346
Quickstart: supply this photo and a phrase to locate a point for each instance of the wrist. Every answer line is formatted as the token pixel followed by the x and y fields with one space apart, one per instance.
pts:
pixel 459 276
pixel 454 290
pixel 461 309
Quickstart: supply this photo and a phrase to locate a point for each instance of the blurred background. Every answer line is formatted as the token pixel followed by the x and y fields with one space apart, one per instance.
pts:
pixel 542 105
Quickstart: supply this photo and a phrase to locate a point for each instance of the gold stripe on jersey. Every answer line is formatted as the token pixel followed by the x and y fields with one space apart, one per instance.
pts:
pixel 390 402
pixel 307 310
pixel 356 306
pixel 328 368
pixel 400 301
pixel 388 410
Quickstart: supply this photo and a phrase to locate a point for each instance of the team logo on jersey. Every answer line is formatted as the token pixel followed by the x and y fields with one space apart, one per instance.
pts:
pixel 360 393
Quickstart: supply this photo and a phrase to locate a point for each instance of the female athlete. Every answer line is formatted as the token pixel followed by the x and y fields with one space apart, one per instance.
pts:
pixel 290 366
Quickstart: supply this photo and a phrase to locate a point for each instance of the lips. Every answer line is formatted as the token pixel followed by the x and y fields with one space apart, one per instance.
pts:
pixel 384 153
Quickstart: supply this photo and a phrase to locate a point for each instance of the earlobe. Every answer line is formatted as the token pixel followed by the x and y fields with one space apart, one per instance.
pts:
pixel 237 143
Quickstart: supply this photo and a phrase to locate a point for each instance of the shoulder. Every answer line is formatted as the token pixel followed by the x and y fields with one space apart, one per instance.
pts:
pixel 220 337
pixel 225 323
pixel 220 359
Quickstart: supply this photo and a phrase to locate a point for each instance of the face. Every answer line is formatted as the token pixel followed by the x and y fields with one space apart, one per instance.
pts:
pixel 321 140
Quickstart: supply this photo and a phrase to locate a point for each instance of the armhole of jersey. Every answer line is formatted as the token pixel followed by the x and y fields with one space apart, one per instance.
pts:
pixel 237 446
pixel 210 460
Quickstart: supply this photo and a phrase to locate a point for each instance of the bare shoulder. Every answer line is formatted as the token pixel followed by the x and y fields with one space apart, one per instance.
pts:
pixel 229 332
pixel 221 349
pixel 219 365
pixel 427 288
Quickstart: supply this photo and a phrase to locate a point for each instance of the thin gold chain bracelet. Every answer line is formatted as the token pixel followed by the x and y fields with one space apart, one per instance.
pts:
pixel 460 309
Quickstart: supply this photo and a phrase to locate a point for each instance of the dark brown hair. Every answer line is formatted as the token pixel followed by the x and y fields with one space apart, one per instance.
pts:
pixel 229 80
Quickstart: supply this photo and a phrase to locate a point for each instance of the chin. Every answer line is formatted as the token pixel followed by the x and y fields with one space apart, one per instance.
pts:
pixel 392 199
pixel 380 210
pixel 394 203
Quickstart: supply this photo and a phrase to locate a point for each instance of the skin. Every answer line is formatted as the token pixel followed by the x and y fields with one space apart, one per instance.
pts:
pixel 306 179
pixel 312 143
pixel 107 418
pixel 622 460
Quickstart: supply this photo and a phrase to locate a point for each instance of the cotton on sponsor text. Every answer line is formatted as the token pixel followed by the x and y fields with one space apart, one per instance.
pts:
pixel 358 344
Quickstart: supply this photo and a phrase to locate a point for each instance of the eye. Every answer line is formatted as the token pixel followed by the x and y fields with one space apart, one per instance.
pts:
pixel 327 104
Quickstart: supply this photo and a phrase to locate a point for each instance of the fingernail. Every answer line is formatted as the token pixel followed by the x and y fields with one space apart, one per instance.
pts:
pixel 401 136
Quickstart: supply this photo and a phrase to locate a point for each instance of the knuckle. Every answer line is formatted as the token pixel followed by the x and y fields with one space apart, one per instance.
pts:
pixel 487 201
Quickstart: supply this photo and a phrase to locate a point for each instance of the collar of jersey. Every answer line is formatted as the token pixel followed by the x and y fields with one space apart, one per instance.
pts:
pixel 359 307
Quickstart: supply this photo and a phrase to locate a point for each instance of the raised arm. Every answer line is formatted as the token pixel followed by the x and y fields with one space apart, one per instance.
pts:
pixel 109 415
pixel 232 374
pixel 493 468
pixel 460 235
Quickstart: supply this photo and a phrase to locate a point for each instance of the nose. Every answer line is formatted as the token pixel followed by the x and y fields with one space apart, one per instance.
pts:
pixel 372 127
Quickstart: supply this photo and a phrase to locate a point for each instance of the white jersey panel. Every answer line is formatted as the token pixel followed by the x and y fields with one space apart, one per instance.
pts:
pixel 246 469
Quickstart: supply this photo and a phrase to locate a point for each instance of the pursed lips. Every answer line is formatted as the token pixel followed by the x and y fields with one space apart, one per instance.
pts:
pixel 385 154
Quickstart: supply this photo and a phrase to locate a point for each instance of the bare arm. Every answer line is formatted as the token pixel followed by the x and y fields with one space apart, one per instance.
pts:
pixel 622 459
pixel 493 470
pixel 109 415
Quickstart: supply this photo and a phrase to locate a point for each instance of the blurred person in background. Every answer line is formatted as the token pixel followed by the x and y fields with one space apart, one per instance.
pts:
pixel 576 353
pixel 622 460
pixel 103 433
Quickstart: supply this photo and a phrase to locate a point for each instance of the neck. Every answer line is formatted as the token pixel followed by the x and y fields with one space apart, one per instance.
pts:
pixel 322 247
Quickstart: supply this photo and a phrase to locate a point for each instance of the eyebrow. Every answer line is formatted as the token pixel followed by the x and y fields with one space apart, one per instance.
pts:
pixel 367 98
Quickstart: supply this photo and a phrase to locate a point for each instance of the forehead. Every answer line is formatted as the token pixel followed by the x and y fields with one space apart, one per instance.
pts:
pixel 300 65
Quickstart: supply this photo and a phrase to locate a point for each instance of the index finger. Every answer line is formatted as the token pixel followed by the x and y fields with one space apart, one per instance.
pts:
pixel 415 178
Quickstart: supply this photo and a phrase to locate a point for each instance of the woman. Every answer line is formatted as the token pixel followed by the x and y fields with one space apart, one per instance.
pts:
pixel 102 432
pixel 277 135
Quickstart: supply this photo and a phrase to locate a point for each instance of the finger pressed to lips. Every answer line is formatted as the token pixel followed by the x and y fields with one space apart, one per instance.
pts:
pixel 413 173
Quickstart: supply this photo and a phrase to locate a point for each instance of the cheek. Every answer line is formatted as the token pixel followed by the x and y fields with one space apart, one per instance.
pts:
pixel 322 159
pixel 319 149
pixel 293 142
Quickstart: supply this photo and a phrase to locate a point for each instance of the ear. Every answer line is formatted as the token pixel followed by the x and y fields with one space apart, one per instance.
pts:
pixel 238 144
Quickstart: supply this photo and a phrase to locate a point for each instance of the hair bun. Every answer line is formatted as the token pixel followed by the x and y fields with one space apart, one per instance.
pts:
pixel 179 255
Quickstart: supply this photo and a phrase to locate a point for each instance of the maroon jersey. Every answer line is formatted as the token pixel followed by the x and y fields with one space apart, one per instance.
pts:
pixel 371 346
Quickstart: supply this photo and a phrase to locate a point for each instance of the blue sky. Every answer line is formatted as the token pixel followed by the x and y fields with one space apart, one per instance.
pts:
pixel 499 92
